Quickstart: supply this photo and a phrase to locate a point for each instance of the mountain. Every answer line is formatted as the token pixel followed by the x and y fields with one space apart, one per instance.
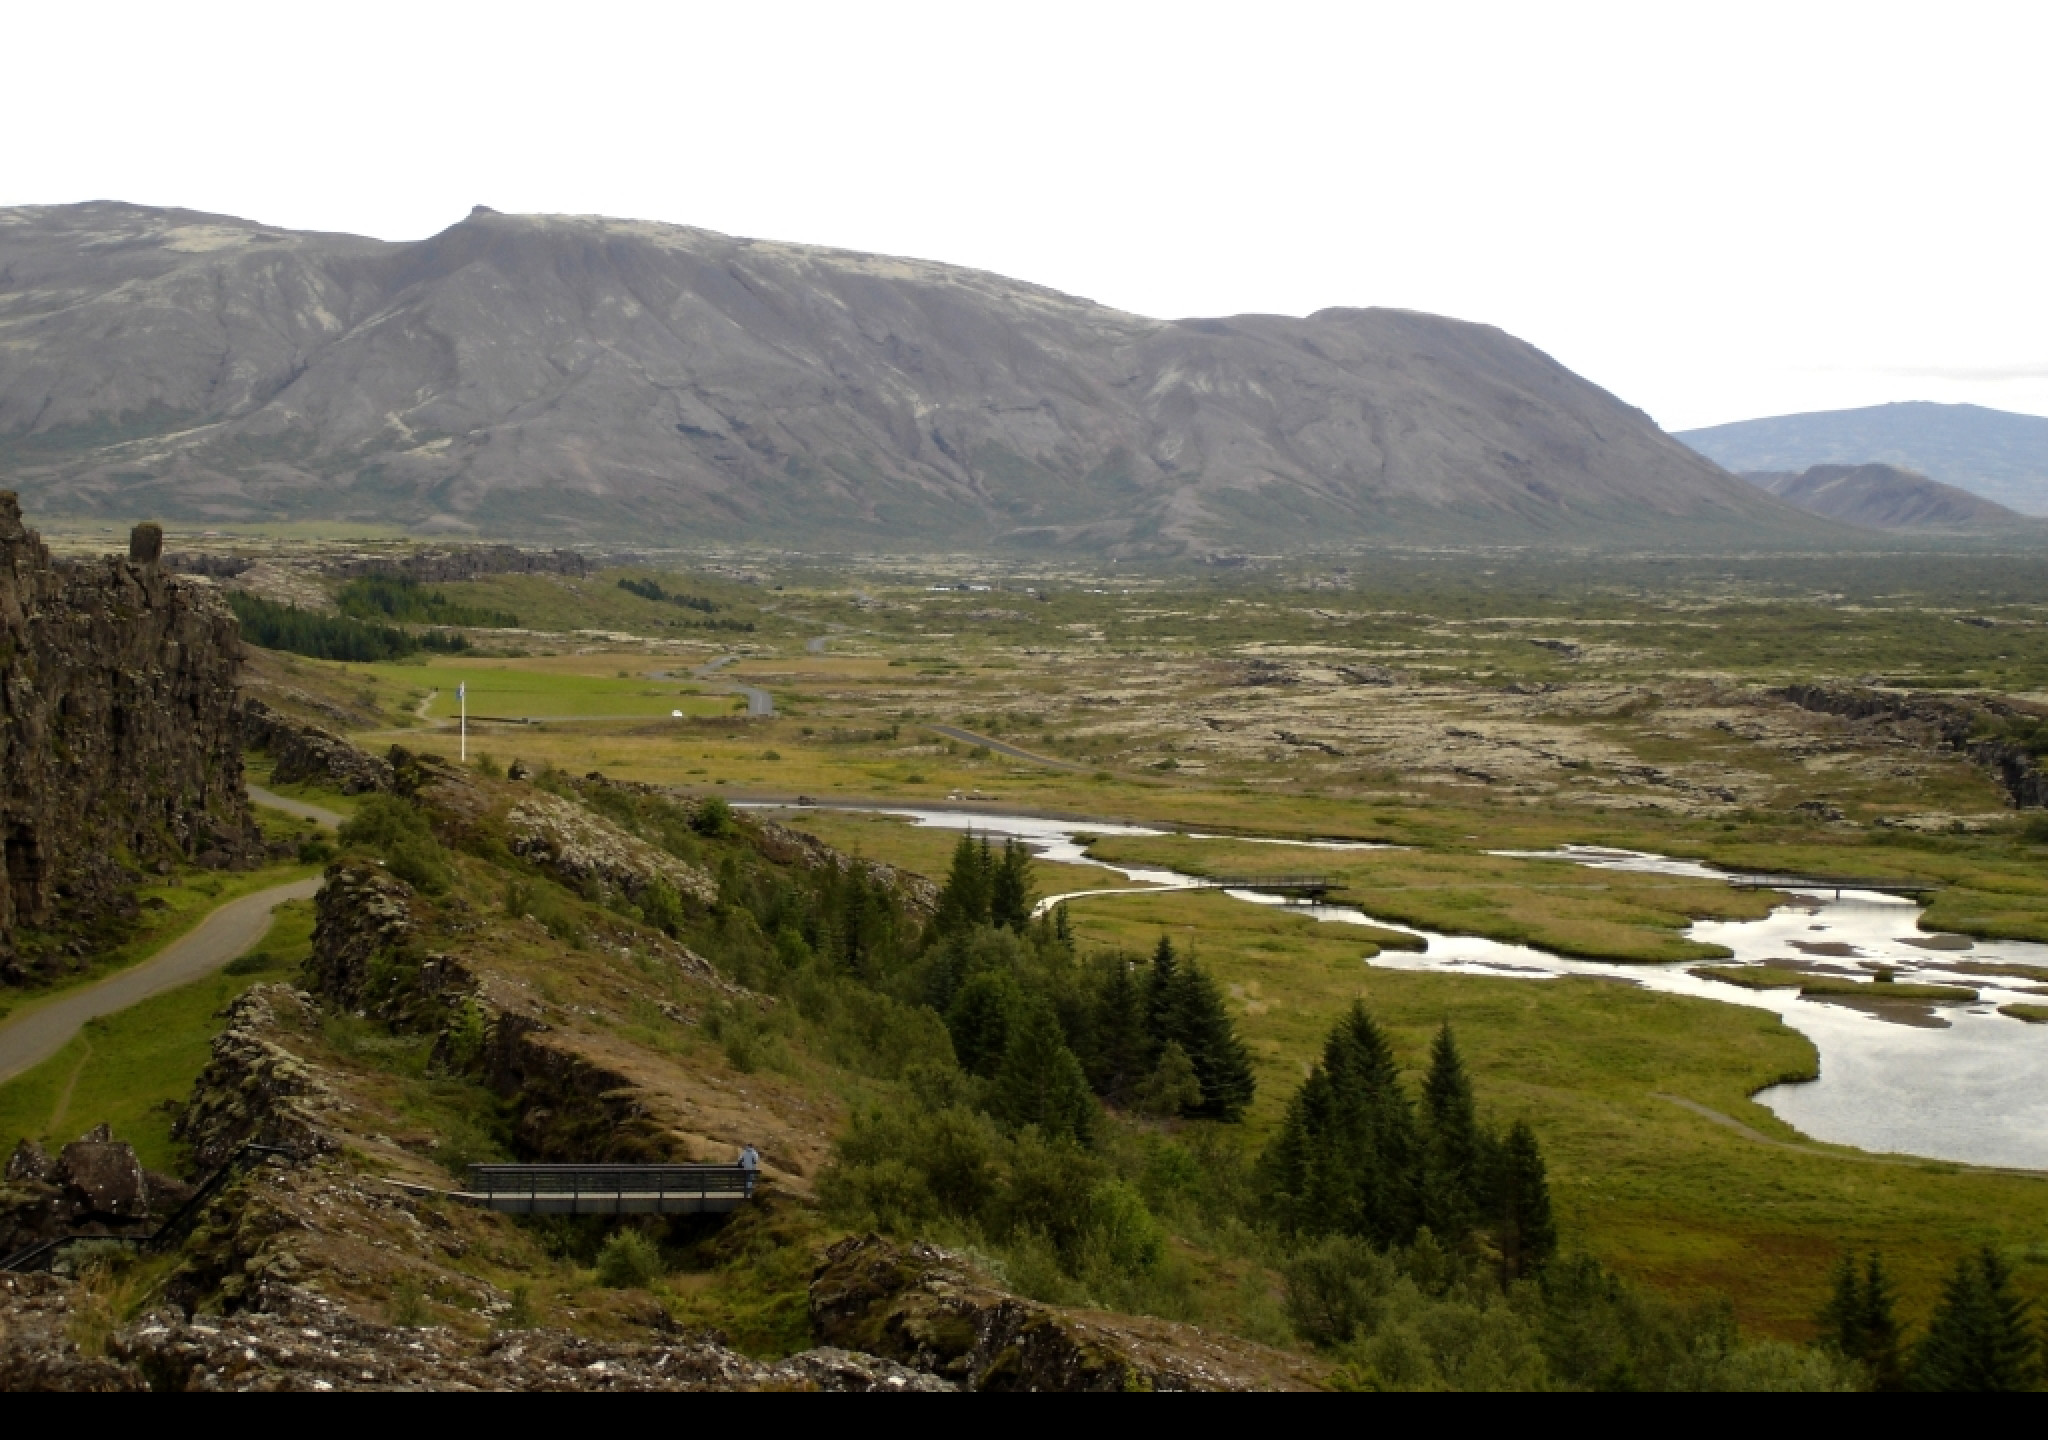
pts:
pixel 1885 497
pixel 579 376
pixel 1994 453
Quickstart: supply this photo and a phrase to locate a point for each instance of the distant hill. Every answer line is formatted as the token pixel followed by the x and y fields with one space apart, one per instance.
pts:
pixel 1885 497
pixel 1994 453
pixel 567 376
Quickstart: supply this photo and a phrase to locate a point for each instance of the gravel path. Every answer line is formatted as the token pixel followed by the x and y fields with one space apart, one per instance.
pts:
pixel 968 737
pixel 305 811
pixel 35 1035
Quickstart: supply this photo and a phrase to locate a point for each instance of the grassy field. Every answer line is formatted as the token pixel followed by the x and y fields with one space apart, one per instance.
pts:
pixel 1659 1192
pixel 551 688
pixel 134 1070
pixel 1560 907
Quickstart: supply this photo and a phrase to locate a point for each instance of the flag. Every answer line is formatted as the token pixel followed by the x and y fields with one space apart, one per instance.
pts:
pixel 462 692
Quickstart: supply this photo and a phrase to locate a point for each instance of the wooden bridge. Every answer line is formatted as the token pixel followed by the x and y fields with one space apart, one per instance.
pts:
pixel 609 1189
pixel 1836 883
pixel 1300 887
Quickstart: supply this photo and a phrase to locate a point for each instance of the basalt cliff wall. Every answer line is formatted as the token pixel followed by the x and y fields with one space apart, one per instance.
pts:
pixel 119 736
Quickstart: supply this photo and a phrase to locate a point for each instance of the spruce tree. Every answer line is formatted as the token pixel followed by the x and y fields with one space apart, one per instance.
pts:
pixel 1452 1152
pixel 980 1019
pixel 1883 1341
pixel 1841 1318
pixel 1196 1019
pixel 1524 1230
pixel 1376 1141
pixel 964 901
pixel 1012 891
pixel 1120 1049
pixel 1039 1082
pixel 1162 995
pixel 1981 1337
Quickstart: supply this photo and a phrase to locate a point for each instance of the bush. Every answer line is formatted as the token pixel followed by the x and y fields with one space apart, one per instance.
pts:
pixel 628 1260
pixel 391 828
pixel 713 817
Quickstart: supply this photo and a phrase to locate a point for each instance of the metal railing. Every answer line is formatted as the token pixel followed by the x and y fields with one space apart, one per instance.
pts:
pixel 656 1187
pixel 45 1253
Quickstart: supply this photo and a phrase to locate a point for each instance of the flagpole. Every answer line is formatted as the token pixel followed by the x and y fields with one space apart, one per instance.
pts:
pixel 462 697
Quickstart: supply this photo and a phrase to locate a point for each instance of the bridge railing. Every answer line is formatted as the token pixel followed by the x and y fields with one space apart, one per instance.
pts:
pixel 1268 882
pixel 610 1179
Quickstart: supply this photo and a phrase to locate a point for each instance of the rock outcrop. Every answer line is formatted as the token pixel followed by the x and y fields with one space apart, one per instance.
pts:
pixel 1950 722
pixel 468 562
pixel 119 737
pixel 307 753
pixel 302 1341
pixel 925 1308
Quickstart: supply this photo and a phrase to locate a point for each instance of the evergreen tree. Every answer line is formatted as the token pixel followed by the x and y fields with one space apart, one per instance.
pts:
pixel 1858 1322
pixel 964 901
pixel 1119 1048
pixel 1039 1082
pixel 980 1019
pixel 1187 1009
pixel 1884 1350
pixel 1452 1160
pixel 1981 1337
pixel 1012 891
pixel 1524 1230
pixel 1062 927
pixel 1162 994
pixel 1377 1143
pixel 1841 1318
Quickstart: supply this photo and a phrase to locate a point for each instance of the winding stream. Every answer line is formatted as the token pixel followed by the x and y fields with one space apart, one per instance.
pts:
pixel 1947 1082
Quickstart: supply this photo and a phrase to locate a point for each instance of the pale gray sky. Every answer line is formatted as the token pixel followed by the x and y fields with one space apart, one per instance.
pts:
pixel 1717 210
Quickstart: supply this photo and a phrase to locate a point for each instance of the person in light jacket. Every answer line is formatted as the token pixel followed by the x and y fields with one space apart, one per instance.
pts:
pixel 750 1161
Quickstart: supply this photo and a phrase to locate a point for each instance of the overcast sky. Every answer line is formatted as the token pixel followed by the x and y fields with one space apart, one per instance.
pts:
pixel 1716 210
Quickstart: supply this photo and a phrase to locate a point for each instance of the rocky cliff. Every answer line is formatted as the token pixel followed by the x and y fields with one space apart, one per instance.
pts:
pixel 119 736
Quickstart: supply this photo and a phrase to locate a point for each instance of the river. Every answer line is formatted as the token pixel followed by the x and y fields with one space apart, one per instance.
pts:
pixel 1948 1082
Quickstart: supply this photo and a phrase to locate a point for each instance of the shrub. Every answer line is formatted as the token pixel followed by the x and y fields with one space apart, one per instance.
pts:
pixel 391 828
pixel 628 1260
pixel 713 817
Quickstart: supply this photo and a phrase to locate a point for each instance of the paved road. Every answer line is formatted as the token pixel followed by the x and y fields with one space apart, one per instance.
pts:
pixel 34 1036
pixel 968 737
pixel 318 813
pixel 759 701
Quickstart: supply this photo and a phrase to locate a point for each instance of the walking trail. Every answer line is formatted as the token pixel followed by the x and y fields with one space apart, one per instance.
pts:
pixel 34 1036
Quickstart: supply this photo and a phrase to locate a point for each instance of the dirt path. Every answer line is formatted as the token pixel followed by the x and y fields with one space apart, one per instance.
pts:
pixel 319 814
pixel 968 737
pixel 35 1035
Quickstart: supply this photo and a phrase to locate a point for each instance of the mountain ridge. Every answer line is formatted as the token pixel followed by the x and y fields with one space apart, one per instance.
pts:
pixel 1885 497
pixel 586 376
pixel 2001 455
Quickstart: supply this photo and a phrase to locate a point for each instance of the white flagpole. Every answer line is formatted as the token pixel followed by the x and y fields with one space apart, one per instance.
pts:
pixel 462 697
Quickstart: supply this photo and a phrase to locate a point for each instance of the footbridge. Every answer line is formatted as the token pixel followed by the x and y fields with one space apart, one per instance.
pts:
pixel 1295 887
pixel 1836 883
pixel 609 1189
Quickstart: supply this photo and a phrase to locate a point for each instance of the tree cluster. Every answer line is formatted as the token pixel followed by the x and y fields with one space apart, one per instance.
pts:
pixel 1356 1156
pixel 402 598
pixel 1981 1337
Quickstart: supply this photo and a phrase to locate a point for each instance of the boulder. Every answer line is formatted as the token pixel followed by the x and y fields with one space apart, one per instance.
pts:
pixel 101 1177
